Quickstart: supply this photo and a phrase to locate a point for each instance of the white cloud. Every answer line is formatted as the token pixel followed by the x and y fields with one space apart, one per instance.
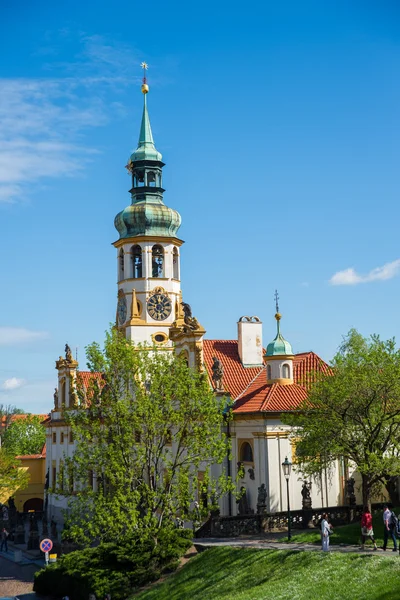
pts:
pixel 42 120
pixel 10 336
pixel 351 277
pixel 12 384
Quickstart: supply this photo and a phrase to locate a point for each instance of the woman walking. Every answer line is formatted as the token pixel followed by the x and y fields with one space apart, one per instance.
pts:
pixel 326 530
pixel 367 533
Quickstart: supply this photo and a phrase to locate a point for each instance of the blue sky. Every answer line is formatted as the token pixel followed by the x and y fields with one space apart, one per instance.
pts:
pixel 279 125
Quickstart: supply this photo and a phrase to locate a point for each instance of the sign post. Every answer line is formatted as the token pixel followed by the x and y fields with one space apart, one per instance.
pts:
pixel 45 546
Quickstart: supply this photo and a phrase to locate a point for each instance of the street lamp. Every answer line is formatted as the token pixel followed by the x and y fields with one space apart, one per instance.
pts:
pixel 287 467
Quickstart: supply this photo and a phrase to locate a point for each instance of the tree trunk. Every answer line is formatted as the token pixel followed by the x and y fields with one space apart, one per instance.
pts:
pixel 366 491
pixel 391 487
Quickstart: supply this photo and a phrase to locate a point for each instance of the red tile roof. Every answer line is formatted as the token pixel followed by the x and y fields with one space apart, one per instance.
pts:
pixel 248 385
pixel 3 419
pixel 87 377
pixel 41 455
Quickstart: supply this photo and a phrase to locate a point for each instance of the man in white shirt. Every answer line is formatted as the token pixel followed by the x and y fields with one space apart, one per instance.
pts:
pixel 388 529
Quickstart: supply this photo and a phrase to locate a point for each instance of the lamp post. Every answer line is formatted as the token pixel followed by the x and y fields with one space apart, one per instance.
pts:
pixel 287 467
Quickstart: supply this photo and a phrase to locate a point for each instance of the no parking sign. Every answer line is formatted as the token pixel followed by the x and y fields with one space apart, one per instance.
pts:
pixel 46 545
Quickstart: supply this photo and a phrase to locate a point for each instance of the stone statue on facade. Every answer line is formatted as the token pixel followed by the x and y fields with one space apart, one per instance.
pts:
pixel 68 353
pixel 55 396
pixel 190 322
pixel 306 495
pixel 243 505
pixel 217 373
pixel 262 499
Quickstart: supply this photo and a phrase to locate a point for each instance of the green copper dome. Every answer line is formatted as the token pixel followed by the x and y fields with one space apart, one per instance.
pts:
pixel 145 218
pixel 279 346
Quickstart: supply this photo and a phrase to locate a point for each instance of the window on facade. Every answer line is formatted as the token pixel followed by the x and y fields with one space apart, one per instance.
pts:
pixel 269 372
pixel 139 179
pixel 71 437
pixel 62 437
pixel 157 261
pixel 90 479
pixel 285 371
pixel 63 393
pixel 151 179
pixel 54 437
pixel 136 257
pixel 246 452
pixel 121 265
pixel 54 476
pixel 175 264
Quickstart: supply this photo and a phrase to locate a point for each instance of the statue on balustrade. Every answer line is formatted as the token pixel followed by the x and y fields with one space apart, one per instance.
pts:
pixel 262 499
pixel 306 494
pixel 243 505
pixel 350 495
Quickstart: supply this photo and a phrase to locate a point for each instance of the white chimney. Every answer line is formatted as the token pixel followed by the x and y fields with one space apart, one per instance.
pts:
pixel 250 341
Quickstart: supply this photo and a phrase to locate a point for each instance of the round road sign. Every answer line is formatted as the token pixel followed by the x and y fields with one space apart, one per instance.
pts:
pixel 46 545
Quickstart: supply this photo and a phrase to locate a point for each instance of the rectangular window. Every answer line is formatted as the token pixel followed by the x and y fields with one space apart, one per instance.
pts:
pixel 54 437
pixel 90 479
pixel 71 437
pixel 62 437
pixel 54 475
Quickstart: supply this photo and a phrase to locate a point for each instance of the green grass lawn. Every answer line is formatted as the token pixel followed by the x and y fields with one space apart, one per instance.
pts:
pixel 238 574
pixel 345 534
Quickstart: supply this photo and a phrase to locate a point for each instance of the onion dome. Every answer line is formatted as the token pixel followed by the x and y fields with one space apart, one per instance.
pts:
pixel 279 346
pixel 147 218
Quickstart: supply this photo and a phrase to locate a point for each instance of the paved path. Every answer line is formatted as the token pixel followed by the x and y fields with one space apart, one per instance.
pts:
pixel 15 579
pixel 263 544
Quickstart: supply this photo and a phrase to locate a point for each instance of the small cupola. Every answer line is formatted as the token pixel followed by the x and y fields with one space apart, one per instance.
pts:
pixel 279 356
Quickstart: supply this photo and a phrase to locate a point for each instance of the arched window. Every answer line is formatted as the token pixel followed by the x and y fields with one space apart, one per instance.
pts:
pixel 121 265
pixel 136 258
pixel 285 371
pixel 269 372
pixel 157 261
pixel 139 179
pixel 246 452
pixel 151 179
pixel 62 393
pixel 175 264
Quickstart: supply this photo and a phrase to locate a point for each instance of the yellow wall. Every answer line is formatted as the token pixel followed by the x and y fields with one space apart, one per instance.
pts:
pixel 35 489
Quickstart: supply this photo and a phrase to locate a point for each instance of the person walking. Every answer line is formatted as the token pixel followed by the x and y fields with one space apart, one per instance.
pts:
pixel 326 530
pixel 367 533
pixel 388 528
pixel 3 538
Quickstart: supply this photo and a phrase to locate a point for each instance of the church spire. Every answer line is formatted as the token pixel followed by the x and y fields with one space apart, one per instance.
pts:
pixel 146 149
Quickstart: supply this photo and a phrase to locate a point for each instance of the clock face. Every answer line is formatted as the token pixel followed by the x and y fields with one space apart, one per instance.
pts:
pixel 159 307
pixel 121 310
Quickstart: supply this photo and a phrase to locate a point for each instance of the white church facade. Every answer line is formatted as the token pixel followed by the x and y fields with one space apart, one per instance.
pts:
pixel 262 382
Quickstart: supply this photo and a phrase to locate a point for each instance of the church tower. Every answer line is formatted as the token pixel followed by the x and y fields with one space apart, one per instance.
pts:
pixel 149 288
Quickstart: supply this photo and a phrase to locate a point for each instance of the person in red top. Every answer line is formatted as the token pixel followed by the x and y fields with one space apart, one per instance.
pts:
pixel 366 528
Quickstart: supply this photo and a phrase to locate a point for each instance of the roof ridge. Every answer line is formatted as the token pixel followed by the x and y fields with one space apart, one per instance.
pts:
pixel 247 387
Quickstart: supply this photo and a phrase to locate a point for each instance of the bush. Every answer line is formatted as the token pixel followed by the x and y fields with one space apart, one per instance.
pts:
pixel 113 568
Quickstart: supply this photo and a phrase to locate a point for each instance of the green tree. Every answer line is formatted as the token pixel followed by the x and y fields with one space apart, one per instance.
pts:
pixel 25 435
pixel 12 476
pixel 353 412
pixel 143 431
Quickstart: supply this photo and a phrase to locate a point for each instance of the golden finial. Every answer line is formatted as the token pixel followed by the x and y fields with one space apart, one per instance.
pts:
pixel 145 87
pixel 278 316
